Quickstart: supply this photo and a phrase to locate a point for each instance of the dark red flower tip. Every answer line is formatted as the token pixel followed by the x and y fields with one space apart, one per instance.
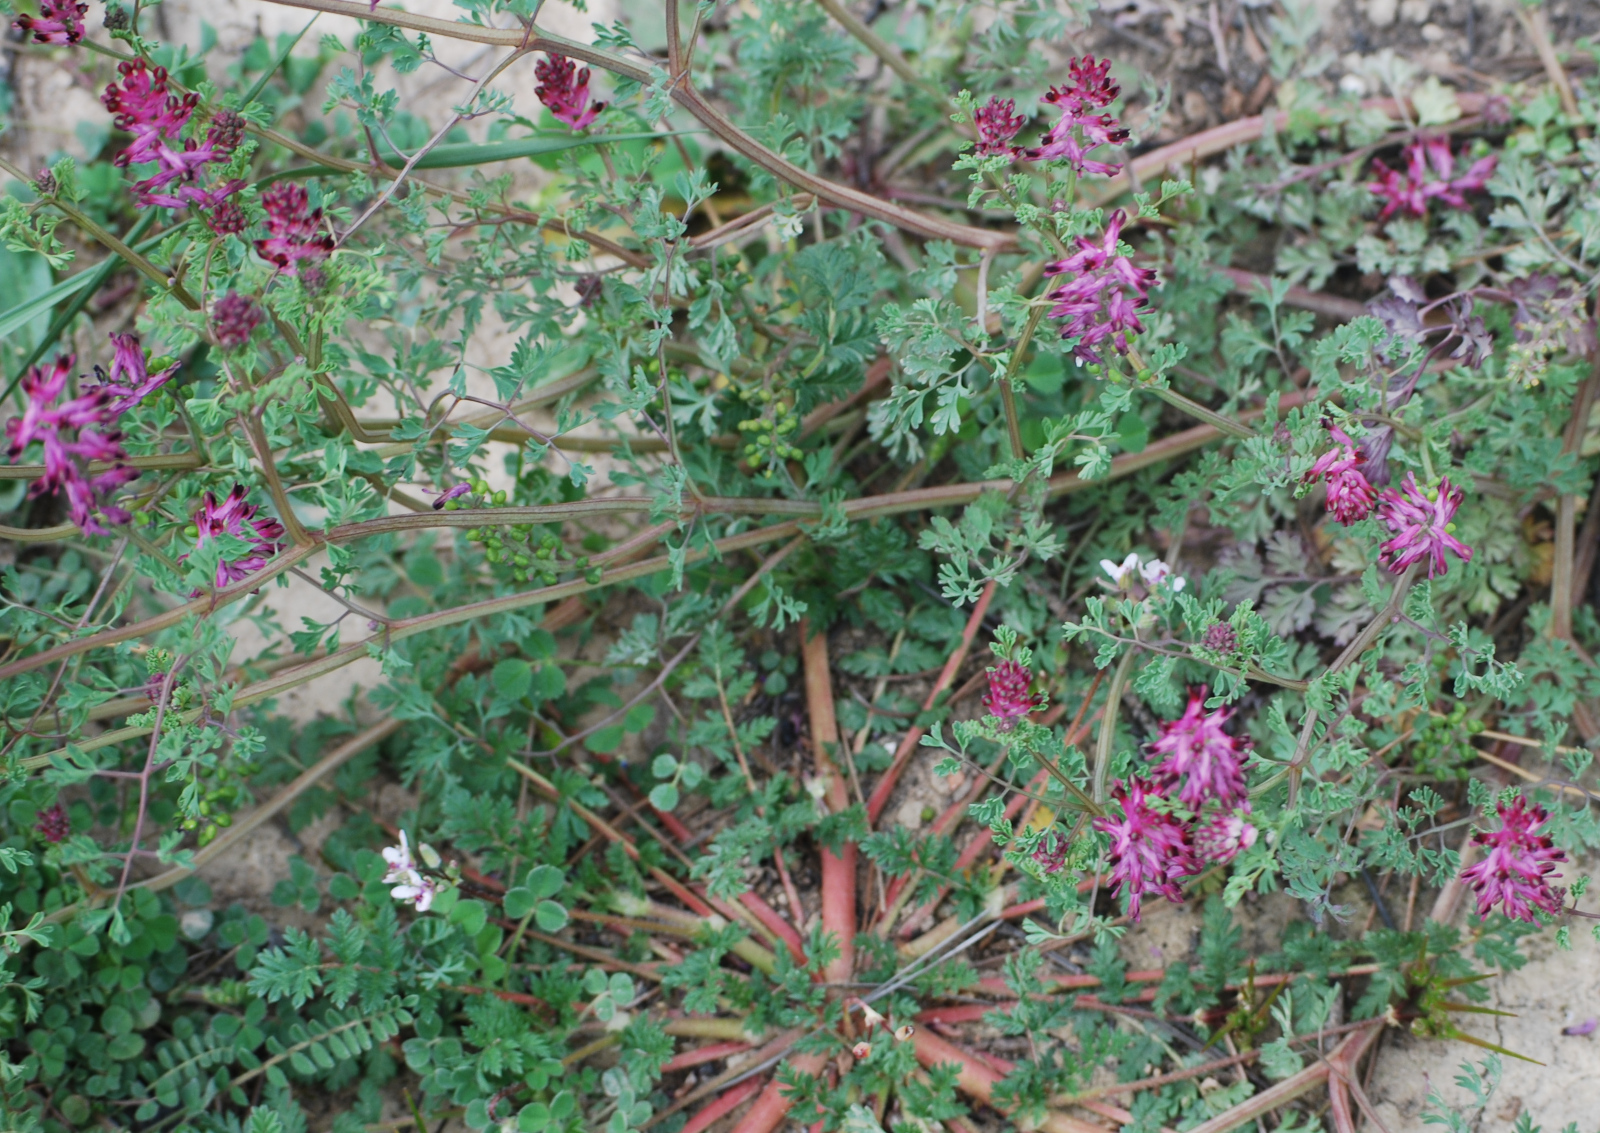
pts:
pixel 233 319
pixel 563 88
pixel 53 826
pixel 59 22
pixel 997 124
pixel 296 231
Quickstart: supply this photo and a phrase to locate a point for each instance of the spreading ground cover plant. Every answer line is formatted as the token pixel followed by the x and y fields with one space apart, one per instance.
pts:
pixel 850 369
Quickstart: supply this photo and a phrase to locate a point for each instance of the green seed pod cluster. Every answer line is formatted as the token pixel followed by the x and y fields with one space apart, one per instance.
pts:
pixel 1442 747
pixel 769 433
pixel 529 553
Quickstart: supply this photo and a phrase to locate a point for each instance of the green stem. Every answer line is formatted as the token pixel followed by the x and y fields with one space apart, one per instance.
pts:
pixel 1007 395
pixel 1352 652
pixel 880 47
pixel 870 507
pixel 102 271
pixel 1108 726
pixel 1200 413
pixel 110 239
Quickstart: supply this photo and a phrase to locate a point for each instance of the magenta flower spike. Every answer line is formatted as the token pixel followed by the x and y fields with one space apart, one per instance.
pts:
pixel 234 516
pixel 141 104
pixel 66 459
pixel 1226 833
pixel 1008 698
pixel 997 124
pixel 53 825
pixel 1150 851
pixel 59 22
pixel 1350 494
pixel 295 231
pixel 1080 129
pixel 1199 758
pixel 1104 294
pixel 233 319
pixel 130 381
pixel 1421 523
pixel 1514 873
pixel 563 87
pixel 1429 174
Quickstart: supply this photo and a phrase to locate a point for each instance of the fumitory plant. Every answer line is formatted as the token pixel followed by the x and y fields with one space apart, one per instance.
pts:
pixel 754 548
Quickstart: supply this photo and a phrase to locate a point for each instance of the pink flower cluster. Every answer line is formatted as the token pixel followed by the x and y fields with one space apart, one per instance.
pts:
pixel 130 380
pixel 1081 129
pixel 296 233
pixel 1150 849
pixel 1199 758
pixel 75 432
pixel 233 319
pixel 1103 294
pixel 144 107
pixel 1350 495
pixel 1420 521
pixel 238 518
pixel 997 123
pixel 1203 816
pixel 1008 698
pixel 1514 874
pixel 53 825
pixel 564 89
pixel 1429 174
pixel 59 22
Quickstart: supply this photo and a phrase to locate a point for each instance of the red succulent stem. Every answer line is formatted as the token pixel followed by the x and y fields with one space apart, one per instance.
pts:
pixel 700 1055
pixel 838 870
pixel 776 923
pixel 731 1099
pixel 773 1105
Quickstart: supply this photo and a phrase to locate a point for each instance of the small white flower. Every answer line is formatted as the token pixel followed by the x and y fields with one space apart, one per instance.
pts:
pixel 1155 570
pixel 417 889
pixel 789 225
pixel 1133 569
pixel 1122 575
pixel 400 861
pixel 869 1017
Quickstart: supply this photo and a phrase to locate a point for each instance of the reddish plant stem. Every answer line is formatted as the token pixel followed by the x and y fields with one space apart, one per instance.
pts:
pixel 796 909
pixel 902 755
pixel 769 917
pixel 775 921
pixel 1347 1053
pixel 612 834
pixel 165 695
pixel 1183 155
pixel 700 1055
pixel 724 1105
pixel 838 870
pixel 977 1080
pixel 773 1106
